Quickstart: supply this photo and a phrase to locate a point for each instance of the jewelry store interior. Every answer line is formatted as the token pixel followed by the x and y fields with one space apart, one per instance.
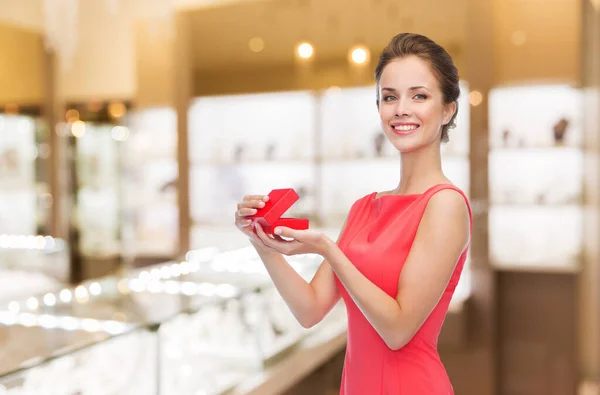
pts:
pixel 130 129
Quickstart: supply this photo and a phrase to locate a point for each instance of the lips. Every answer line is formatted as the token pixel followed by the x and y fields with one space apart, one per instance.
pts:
pixel 403 129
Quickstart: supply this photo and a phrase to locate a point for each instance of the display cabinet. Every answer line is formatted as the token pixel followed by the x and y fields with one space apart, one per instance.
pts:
pixel 98 204
pixel 77 361
pixel 88 327
pixel 253 329
pixel 536 177
pixel 123 177
pixel 24 201
pixel 189 326
pixel 150 182
pixel 31 265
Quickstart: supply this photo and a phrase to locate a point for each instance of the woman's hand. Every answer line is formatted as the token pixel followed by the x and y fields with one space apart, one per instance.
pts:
pixel 304 241
pixel 248 207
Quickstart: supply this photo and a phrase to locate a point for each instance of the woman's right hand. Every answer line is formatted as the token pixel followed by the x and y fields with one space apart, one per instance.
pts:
pixel 246 208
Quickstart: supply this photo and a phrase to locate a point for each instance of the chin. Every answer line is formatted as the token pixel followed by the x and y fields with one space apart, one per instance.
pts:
pixel 411 142
pixel 407 148
pixel 405 144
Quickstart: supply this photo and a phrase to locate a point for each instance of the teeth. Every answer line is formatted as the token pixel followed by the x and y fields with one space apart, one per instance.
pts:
pixel 405 127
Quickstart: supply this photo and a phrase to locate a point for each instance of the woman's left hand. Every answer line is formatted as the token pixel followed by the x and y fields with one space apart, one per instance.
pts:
pixel 304 241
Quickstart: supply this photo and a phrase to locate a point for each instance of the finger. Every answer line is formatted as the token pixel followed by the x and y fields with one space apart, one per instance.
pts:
pixel 263 198
pixel 280 239
pixel 281 246
pixel 267 239
pixel 256 240
pixel 287 232
pixel 243 223
pixel 245 212
pixel 260 233
pixel 251 204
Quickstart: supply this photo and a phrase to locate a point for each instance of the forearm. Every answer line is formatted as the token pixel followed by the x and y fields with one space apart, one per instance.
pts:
pixel 295 291
pixel 381 310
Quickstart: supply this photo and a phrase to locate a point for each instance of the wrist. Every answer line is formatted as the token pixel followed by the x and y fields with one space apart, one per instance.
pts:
pixel 328 247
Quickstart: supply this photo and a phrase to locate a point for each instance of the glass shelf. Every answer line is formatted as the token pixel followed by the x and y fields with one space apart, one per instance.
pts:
pixel 536 171
pixel 536 115
pixel 535 235
pixel 543 177
pixel 251 127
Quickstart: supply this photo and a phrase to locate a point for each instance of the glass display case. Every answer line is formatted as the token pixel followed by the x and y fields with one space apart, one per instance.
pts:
pixel 98 189
pixel 24 201
pixel 29 261
pixel 150 179
pixel 536 176
pixel 63 361
pixel 87 328
pixel 124 184
pixel 32 264
pixel 187 326
pixel 267 328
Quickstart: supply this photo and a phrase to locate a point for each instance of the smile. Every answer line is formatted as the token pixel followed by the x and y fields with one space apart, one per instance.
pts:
pixel 405 129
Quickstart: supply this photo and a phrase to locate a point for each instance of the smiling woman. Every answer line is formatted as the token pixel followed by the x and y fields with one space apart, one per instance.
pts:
pixel 400 253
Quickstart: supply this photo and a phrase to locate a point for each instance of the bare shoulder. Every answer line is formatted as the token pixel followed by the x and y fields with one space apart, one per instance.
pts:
pixel 448 200
pixel 448 209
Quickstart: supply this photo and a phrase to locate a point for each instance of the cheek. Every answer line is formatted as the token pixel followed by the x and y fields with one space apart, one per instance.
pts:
pixel 429 114
pixel 386 112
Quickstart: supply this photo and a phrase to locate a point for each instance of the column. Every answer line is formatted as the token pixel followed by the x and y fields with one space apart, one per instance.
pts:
pixel 589 279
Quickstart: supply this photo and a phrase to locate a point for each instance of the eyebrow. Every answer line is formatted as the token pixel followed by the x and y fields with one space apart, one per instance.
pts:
pixel 412 88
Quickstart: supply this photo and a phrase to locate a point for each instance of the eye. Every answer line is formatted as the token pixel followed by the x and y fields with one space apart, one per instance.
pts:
pixel 388 98
pixel 420 96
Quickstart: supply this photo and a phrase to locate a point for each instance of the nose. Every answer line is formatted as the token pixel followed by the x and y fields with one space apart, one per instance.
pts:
pixel 402 108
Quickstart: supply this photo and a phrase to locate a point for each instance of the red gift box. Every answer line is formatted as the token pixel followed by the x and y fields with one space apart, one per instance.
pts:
pixel 269 217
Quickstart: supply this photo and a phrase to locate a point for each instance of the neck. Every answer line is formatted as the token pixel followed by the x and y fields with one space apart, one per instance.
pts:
pixel 420 169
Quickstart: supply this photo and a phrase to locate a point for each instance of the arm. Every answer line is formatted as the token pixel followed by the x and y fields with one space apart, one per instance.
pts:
pixel 309 302
pixel 441 238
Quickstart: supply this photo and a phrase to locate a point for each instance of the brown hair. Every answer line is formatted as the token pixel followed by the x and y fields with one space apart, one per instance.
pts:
pixel 442 66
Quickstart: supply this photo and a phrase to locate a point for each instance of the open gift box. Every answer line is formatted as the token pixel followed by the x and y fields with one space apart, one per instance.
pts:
pixel 269 217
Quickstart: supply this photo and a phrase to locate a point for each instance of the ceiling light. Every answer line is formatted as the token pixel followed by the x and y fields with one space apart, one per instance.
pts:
pixel 475 98
pixel 256 44
pixel 359 55
pixel 519 38
pixel 305 50
pixel 78 129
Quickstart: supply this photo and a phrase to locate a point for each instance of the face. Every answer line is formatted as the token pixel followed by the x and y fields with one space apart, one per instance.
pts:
pixel 411 104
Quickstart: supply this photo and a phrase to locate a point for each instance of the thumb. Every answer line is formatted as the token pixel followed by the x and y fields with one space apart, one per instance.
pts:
pixel 286 232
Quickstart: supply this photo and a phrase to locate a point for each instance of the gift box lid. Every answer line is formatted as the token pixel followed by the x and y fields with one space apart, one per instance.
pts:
pixel 280 200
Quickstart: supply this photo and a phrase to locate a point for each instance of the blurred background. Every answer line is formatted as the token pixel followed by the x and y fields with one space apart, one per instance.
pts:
pixel 129 130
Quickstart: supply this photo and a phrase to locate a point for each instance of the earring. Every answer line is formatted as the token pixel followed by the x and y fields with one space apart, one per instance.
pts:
pixel 452 126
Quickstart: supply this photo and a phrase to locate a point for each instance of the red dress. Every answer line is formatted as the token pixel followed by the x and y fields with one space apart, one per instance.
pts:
pixel 378 236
